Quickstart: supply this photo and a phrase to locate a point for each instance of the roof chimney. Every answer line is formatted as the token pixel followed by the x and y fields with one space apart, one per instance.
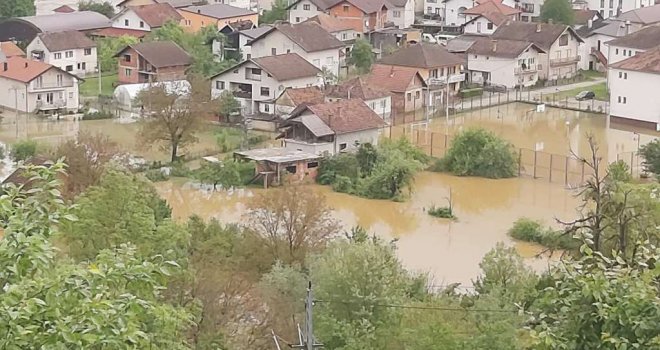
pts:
pixel 199 11
pixel 494 42
pixel 538 27
pixel 627 27
pixel 590 23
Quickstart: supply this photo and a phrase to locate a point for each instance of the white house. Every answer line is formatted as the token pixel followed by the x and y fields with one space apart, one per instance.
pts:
pixel 485 18
pixel 70 51
pixel 258 81
pixel 302 10
pixel 451 12
pixel 377 99
pixel 239 41
pixel 244 4
pixel 504 62
pixel 340 28
pixel 145 17
pixel 401 13
pixel 33 86
pixel 309 40
pixel 627 46
pixel 332 127
pixel 612 8
pixel 633 85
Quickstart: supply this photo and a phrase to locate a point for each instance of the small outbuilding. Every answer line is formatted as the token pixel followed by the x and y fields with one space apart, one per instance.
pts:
pixel 273 164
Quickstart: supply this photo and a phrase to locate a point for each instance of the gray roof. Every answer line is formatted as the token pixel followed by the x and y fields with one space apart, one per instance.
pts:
pixel 461 43
pixel 644 15
pixel 308 35
pixel 314 124
pixel 643 39
pixel 161 53
pixel 60 41
pixel 541 34
pixel 277 155
pixel 256 32
pixel 501 48
pixel 422 55
pixel 613 29
pixel 586 31
pixel 59 22
pixel 219 11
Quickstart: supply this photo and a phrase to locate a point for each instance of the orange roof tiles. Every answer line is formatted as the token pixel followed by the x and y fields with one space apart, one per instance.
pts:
pixel 23 70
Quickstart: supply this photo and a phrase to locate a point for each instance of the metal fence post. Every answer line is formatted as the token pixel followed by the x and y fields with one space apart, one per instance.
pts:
pixel 432 133
pixel 566 172
pixel 535 153
pixel 550 177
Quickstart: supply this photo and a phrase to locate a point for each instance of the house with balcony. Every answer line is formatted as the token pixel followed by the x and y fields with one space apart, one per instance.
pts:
pixel 505 63
pixel 34 86
pixel 485 18
pixel 560 43
pixel 406 85
pixel 257 82
pixel 145 17
pixel 71 51
pixel 331 127
pixel 309 40
pixel 632 44
pixel 151 62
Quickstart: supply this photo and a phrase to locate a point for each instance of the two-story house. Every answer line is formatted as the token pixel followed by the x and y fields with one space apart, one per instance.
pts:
pixel 151 62
pixel 34 86
pixel 145 17
pixel 560 43
pixel 486 17
pixel 612 8
pixel 633 85
pixel 364 15
pixel 237 42
pixel 219 15
pixel 71 51
pixel 332 127
pixel 309 40
pixel 404 83
pixel 401 13
pixel 503 62
pixel 377 99
pixel 627 46
pixel 341 29
pixel 302 10
pixel 258 81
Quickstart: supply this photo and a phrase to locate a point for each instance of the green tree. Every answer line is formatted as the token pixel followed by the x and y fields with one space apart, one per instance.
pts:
pixel 361 56
pixel 107 48
pixel 226 173
pixel 558 11
pixel 227 105
pixel 278 12
pixel 105 8
pixel 651 154
pixel 17 8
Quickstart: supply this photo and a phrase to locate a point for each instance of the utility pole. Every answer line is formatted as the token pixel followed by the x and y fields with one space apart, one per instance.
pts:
pixel 306 341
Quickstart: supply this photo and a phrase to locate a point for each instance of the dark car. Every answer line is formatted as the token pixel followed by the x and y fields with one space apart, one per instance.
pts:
pixel 585 95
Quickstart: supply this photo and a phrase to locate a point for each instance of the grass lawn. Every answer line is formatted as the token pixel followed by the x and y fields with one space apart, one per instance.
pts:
pixel 599 89
pixel 592 74
pixel 90 87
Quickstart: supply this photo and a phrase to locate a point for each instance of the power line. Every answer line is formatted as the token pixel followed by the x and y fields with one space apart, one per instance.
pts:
pixel 416 307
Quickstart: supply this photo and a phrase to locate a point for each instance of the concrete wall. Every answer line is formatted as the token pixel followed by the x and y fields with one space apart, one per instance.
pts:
pixel 479 26
pixel 634 96
pixel 134 21
pixel 381 106
pixel 453 11
pixel 303 11
pixel 314 148
pixel 74 63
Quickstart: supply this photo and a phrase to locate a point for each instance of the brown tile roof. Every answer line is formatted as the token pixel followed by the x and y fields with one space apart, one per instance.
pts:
pixel 287 66
pixel 356 88
pixel 541 34
pixel 308 35
pixel 344 116
pixel 391 78
pixel 330 23
pixel 9 49
pixel 422 55
pixel 492 6
pixel 219 11
pixel 161 53
pixel 366 6
pixel 583 16
pixel 648 62
pixel 307 95
pixel 112 32
pixel 64 9
pixel 501 48
pixel 322 4
pixel 23 70
pixel 61 41
pixel 495 17
pixel 155 15
pixel 643 39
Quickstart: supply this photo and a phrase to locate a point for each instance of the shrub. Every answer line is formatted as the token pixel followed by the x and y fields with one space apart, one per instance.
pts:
pixel 179 169
pixel 478 152
pixel 97 115
pixel 2 152
pixel 651 154
pixel 467 93
pixel 340 165
pixel 619 171
pixel 23 150
pixel 529 230
pixel 342 184
pixel 441 212
pixel 155 175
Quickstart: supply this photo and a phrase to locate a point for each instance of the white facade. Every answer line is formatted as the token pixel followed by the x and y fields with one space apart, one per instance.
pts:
pixel 128 19
pixel 402 17
pixel 633 95
pixel 562 59
pixel 341 142
pixel 381 106
pixel 303 11
pixel 480 25
pixel 434 7
pixel 620 53
pixel 262 86
pixel 244 4
pixel 75 61
pixel 509 72
pixel 52 90
pixel 610 8
pixel 454 11
pixel 531 9
pixel 277 43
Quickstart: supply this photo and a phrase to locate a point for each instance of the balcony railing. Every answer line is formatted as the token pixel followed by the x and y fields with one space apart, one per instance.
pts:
pixel 253 77
pixel 41 105
pixel 564 60
pixel 528 70
pixel 51 86
pixel 526 8
pixel 242 94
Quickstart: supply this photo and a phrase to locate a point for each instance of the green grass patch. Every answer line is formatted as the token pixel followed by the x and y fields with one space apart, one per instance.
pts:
pixel 599 89
pixel 528 230
pixel 90 87
pixel 441 212
pixel 592 74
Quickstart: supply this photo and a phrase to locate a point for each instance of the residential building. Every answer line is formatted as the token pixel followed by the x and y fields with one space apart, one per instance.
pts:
pixel 151 62
pixel 145 17
pixel 9 49
pixel 632 44
pixel 244 4
pixel 560 43
pixel 531 10
pixel 237 42
pixel 64 9
pixel 594 52
pixel 302 10
pixel 33 86
pixel 198 17
pixel 585 16
pixel 290 98
pixel 332 127
pixel 401 13
pixel 341 29
pixel 450 12
pixel 258 81
pixel 24 29
pixel 640 16
pixel 377 99
pixel 177 4
pixel 70 51
pixel 404 83
pixel 486 17
pixel 391 39
pixel 505 63
pixel 633 85
pixel 309 40
pixel 435 9
pixel 612 8
pixel 364 15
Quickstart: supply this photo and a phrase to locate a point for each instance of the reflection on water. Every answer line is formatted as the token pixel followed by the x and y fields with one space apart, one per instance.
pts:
pixel 449 250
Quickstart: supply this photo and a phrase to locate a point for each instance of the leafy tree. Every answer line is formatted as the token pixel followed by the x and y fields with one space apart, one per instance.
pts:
pixel 227 105
pixel 105 8
pixel 227 173
pixel 174 119
pixel 478 152
pixel 107 48
pixel 23 150
pixel 558 11
pixel 651 154
pixel 17 8
pixel 361 56
pixel 278 12
pixel 619 171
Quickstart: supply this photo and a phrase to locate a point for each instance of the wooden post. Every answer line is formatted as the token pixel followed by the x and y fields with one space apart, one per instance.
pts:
pixel 566 172
pixel 432 133
pixel 519 161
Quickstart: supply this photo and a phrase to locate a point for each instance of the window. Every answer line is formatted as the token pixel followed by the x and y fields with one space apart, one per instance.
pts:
pixel 188 23
pixel 70 94
pixel 306 7
pixel 372 105
pixel 602 3
pixel 59 80
pixel 611 13
pixel 616 51
pixel 235 71
pixel 429 9
pixel 292 169
pixel 248 56
pixel 416 94
pixel 58 55
pixel 625 75
pixel 563 40
pixel 345 7
pixel 68 54
pixel 88 52
pixel 69 68
pixel 624 100
pixel 489 25
pixel 344 36
pixel 297 19
pixel 220 85
pixel 396 14
pixel 127 58
pixel 409 96
pixel 273 51
pixel 602 13
pixel 329 61
pixel 127 72
pixel 266 107
pixel 383 103
pixel 620 75
pixel 141 24
pixel 629 53
pixel 433 73
pixel 478 27
pixel 265 91
pixel 342 146
pixel 611 3
pixel 126 22
pixel 312 165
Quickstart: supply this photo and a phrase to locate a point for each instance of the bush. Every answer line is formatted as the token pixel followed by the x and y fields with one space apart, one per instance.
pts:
pixel 342 184
pixel 619 171
pixel 345 165
pixel 23 150
pixel 179 169
pixel 651 154
pixel 155 175
pixel 2 152
pixel 97 115
pixel 478 152
pixel 441 212
pixel 528 230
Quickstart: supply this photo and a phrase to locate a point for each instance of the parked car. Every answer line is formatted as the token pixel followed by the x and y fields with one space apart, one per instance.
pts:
pixel 585 95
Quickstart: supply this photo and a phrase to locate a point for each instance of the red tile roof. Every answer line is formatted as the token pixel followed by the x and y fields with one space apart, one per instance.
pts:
pixel 648 62
pixel 23 70
pixel 330 23
pixel 9 49
pixel 308 95
pixel 492 6
pixel 356 88
pixel 119 32
pixel 64 9
pixel 392 78
pixel 345 116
